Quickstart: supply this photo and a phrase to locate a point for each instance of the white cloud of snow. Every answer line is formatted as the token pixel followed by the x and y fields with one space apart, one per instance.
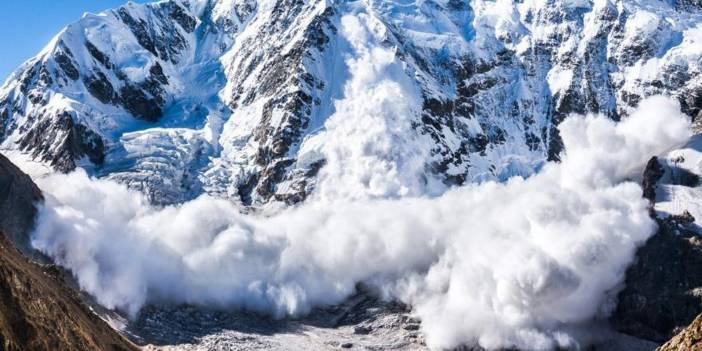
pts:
pixel 369 145
pixel 502 264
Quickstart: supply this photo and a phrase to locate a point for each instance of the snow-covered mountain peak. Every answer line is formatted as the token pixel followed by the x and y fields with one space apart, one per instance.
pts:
pixel 257 101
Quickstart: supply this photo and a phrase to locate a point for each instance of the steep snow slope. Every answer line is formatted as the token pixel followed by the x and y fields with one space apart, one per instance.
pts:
pixel 679 188
pixel 256 100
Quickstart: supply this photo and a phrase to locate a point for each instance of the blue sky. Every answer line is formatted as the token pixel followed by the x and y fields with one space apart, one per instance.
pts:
pixel 27 26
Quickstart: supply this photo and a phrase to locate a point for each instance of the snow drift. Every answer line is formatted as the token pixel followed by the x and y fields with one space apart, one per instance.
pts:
pixel 500 264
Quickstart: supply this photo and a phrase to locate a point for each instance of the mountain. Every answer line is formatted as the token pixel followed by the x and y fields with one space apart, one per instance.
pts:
pixel 271 102
pixel 254 101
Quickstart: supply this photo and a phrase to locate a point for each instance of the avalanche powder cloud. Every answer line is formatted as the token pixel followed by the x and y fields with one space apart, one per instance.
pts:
pixel 513 264
pixel 518 264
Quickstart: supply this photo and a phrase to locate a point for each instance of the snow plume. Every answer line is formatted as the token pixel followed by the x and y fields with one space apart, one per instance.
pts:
pixel 499 264
pixel 369 145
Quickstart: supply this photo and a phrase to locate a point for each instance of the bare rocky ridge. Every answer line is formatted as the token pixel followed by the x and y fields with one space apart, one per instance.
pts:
pixel 689 339
pixel 662 293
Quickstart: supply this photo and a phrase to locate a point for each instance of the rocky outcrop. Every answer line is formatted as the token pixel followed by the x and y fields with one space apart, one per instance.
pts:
pixel 18 199
pixel 652 174
pixel 60 141
pixel 689 339
pixel 38 311
pixel 663 288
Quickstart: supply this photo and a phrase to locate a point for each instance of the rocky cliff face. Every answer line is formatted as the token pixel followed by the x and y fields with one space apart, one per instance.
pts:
pixel 234 97
pixel 19 197
pixel 662 293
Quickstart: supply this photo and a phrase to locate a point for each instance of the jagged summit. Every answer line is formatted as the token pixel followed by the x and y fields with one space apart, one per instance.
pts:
pixel 256 100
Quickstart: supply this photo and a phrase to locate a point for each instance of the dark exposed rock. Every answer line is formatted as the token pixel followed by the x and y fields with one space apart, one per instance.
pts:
pixel 411 327
pixel 652 174
pixel 681 176
pixel 300 187
pixel 136 101
pixel 664 286
pixel 19 197
pixel 4 121
pixel 100 87
pixel 186 22
pixel 295 107
pixel 292 107
pixel 164 42
pixel 140 31
pixel 271 176
pixel 478 143
pixel 65 62
pixel 98 55
pixel 76 141
pixel 38 310
pixel 691 103
pixel 245 189
pixel 28 77
pixel 156 72
pixel 361 330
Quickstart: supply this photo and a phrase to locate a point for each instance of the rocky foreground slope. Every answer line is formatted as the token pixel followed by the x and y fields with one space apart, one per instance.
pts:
pixel 38 310
pixel 663 292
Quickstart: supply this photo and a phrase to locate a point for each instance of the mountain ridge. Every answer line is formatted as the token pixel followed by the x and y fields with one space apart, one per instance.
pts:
pixel 236 98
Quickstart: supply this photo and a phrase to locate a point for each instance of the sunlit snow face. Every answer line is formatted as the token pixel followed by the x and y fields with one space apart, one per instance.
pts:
pixel 512 264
